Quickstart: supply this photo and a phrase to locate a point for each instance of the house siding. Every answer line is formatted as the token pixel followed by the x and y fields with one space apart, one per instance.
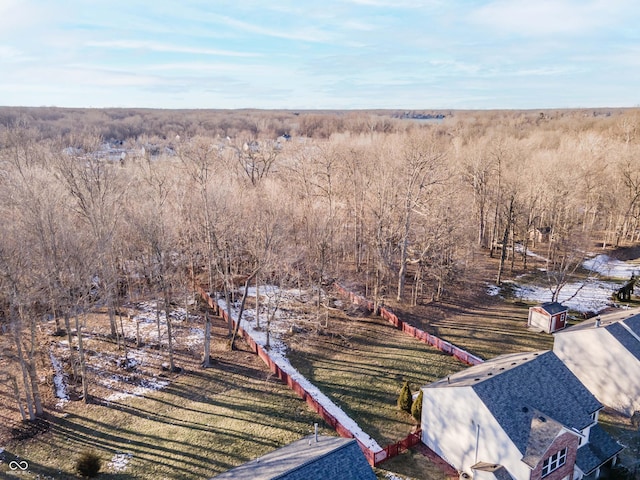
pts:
pixel 538 318
pixel 603 365
pixel 565 440
pixel 450 420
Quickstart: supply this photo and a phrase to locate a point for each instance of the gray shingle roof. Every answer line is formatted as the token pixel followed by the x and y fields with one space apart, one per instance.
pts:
pixel 553 307
pixel 634 324
pixel 512 386
pixel 601 447
pixel 498 471
pixel 327 459
pixel 626 338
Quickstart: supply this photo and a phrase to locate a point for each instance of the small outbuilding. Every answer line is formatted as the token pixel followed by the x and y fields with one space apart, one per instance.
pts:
pixel 548 317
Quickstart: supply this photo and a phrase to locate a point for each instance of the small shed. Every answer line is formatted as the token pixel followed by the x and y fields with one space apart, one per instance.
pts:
pixel 540 234
pixel 548 317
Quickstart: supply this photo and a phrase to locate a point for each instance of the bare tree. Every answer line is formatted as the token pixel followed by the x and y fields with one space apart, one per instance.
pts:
pixel 422 161
pixel 98 190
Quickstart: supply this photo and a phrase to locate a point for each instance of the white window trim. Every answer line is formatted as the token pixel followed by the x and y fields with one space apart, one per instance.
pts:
pixel 554 462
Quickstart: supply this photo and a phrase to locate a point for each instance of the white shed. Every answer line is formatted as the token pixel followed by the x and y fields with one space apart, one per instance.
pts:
pixel 548 317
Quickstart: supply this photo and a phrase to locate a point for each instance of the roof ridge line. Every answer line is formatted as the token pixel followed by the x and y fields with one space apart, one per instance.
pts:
pixel 628 329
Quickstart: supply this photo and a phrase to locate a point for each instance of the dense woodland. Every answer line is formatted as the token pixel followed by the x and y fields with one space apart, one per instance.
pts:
pixel 97 204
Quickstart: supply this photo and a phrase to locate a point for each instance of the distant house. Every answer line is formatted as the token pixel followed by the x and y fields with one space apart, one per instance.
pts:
pixel 604 353
pixel 548 317
pixel 326 458
pixel 540 235
pixel 521 416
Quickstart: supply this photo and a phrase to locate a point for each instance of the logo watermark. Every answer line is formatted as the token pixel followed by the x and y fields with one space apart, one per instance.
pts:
pixel 14 465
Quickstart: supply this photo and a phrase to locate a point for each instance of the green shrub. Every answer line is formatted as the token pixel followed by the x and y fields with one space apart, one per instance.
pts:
pixel 88 464
pixel 404 400
pixel 416 407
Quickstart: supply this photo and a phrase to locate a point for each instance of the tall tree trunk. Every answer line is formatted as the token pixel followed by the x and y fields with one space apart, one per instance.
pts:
pixel 16 396
pixel 206 361
pixel 167 311
pixel 404 250
pixel 505 240
pixel 25 374
pixel 72 359
pixel 227 300
pixel 232 345
pixel 83 363
pixel 33 374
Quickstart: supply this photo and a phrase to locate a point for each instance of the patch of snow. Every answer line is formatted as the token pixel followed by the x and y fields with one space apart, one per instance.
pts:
pixel 58 381
pixel 277 352
pixel 393 476
pixel 119 462
pixel 520 249
pixel 194 337
pixel 610 267
pixel 492 290
pixel 145 387
pixel 595 296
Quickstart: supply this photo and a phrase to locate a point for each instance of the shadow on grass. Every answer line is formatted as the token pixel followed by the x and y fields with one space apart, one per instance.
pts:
pixel 13 466
pixel 78 435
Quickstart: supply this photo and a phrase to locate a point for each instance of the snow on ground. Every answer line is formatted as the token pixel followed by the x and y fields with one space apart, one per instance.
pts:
pixel 58 381
pixel 520 249
pixel 393 476
pixel 493 290
pixel 595 296
pixel 612 268
pixel 119 462
pixel 278 351
pixel 145 387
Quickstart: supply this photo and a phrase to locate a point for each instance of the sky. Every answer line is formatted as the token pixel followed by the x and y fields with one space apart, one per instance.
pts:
pixel 329 54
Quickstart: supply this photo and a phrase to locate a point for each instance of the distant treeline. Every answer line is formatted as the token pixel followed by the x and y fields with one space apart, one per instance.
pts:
pixel 122 124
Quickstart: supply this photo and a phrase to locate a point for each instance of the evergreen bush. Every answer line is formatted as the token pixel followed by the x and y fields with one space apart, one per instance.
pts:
pixel 88 464
pixel 416 407
pixel 404 400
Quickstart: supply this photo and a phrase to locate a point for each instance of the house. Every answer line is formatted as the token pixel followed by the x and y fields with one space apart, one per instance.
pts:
pixel 540 235
pixel 604 353
pixel 312 458
pixel 521 416
pixel 548 317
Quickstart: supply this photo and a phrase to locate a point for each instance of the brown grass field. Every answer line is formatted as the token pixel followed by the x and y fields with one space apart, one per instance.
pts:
pixel 204 422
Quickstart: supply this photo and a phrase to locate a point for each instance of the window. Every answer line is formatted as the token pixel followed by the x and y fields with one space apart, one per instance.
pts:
pixel 554 462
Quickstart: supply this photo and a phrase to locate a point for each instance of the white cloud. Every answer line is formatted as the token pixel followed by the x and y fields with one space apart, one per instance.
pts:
pixel 163 47
pixel 308 34
pixel 549 17
pixel 396 3
pixel 8 52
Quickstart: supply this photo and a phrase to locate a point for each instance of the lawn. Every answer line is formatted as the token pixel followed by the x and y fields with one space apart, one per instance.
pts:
pixel 203 423
pixel 361 362
pixel 488 329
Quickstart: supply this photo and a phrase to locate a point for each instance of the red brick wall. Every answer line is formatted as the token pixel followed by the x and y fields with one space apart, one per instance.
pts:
pixel 565 440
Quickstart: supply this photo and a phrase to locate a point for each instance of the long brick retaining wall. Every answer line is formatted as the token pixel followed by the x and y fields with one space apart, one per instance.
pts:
pixel 415 332
pixel 374 456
